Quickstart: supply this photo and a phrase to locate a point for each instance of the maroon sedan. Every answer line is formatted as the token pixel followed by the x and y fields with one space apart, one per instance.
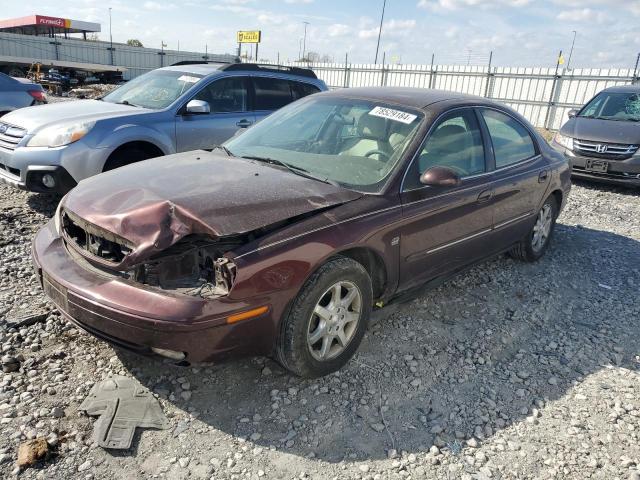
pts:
pixel 282 241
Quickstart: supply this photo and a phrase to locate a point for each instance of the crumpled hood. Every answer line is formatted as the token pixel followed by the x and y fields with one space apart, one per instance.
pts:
pixel 39 116
pixel 155 203
pixel 606 131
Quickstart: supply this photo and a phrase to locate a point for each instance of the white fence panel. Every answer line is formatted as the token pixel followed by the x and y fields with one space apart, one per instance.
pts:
pixel 542 95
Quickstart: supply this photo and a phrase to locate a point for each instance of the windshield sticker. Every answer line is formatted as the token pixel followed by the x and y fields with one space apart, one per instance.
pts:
pixel 188 79
pixel 392 114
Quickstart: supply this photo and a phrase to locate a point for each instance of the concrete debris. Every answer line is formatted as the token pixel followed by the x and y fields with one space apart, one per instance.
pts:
pixel 31 451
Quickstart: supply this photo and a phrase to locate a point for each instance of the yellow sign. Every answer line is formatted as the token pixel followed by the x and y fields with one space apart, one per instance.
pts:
pixel 249 37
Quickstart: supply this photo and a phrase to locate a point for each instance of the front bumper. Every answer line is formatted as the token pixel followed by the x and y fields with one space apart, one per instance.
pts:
pixel 138 318
pixel 33 178
pixel 620 172
pixel 23 167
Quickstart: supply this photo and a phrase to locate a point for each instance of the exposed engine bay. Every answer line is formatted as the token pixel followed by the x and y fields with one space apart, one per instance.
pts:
pixel 195 266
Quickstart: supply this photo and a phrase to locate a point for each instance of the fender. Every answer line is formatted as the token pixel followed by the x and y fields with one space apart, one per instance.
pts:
pixel 128 133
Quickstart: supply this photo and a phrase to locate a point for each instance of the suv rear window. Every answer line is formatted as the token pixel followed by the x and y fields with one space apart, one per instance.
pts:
pixel 274 93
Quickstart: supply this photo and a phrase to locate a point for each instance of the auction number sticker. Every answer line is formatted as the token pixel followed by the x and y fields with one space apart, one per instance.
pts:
pixel 392 114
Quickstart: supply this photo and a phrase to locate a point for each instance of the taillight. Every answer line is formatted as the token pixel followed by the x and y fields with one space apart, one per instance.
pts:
pixel 38 95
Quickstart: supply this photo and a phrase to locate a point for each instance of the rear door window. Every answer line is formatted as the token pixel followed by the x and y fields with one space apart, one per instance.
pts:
pixel 271 93
pixel 512 142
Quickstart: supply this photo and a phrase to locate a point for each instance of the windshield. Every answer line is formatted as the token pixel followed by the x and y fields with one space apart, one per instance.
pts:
pixel 613 106
pixel 355 143
pixel 157 89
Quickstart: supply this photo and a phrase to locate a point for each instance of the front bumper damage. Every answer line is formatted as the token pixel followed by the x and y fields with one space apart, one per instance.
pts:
pixel 143 318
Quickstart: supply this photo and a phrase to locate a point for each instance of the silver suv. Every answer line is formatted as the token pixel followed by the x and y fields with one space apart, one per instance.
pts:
pixel 174 109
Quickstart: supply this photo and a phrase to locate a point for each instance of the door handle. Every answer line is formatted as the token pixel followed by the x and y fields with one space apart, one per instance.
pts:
pixel 485 196
pixel 244 123
pixel 542 177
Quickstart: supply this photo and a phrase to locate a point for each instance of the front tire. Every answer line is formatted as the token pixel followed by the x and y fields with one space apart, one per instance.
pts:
pixel 534 245
pixel 327 320
pixel 126 156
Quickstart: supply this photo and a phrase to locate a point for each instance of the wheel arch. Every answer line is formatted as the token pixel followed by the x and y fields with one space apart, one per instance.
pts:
pixel 147 146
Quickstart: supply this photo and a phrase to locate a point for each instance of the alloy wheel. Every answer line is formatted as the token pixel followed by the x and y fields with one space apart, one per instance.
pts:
pixel 334 320
pixel 542 228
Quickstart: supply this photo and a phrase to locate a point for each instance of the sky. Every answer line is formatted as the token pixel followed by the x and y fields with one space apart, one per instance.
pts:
pixel 519 32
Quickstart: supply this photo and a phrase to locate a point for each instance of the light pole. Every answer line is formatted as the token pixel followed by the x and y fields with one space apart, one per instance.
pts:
pixel 304 41
pixel 571 52
pixel 384 4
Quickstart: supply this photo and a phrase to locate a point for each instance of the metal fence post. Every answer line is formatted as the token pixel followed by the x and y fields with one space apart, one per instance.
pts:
pixel 488 88
pixel 634 80
pixel 346 70
pixel 432 73
pixel 553 97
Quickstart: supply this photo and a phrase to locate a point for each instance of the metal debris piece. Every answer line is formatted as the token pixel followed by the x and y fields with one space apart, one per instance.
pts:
pixel 123 404
pixel 27 320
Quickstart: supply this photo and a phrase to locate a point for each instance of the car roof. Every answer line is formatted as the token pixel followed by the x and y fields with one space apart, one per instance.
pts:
pixel 210 68
pixel 623 89
pixel 411 97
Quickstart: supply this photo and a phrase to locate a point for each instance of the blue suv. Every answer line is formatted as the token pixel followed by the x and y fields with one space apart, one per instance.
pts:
pixel 183 107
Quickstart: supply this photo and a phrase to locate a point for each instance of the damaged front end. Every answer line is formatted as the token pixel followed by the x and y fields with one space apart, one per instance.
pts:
pixel 193 266
pixel 196 265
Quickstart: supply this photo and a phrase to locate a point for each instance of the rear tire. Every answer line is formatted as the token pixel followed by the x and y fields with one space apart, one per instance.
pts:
pixel 14 71
pixel 126 156
pixel 534 245
pixel 327 320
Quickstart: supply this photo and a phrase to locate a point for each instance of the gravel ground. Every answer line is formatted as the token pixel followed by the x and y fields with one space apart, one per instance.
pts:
pixel 511 370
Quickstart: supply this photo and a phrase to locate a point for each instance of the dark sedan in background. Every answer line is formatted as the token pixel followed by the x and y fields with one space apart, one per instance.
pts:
pixel 602 139
pixel 283 240
pixel 17 93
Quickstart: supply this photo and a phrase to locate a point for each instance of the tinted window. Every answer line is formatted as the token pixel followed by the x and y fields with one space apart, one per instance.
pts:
pixel 511 141
pixel 456 143
pixel 225 95
pixel 300 90
pixel 271 93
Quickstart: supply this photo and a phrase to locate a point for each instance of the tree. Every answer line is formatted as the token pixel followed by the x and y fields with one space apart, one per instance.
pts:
pixel 134 42
pixel 93 37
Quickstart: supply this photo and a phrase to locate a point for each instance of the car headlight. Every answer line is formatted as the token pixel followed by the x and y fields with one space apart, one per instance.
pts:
pixel 59 135
pixel 566 142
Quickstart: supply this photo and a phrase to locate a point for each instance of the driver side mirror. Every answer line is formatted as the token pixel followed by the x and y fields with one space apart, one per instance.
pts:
pixel 440 176
pixel 572 113
pixel 197 107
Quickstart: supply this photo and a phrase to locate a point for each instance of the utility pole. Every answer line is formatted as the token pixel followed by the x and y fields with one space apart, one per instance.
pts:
pixel 110 38
pixel 571 51
pixel 304 41
pixel 384 4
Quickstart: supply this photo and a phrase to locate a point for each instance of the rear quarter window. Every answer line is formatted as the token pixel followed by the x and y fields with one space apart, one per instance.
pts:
pixel 300 89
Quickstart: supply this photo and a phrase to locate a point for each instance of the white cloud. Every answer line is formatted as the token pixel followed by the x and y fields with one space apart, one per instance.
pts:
pixel 457 4
pixel 338 30
pixel 392 28
pixel 150 5
pixel 583 15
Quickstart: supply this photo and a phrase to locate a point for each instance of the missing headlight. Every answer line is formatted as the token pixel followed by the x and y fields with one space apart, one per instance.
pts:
pixel 191 268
